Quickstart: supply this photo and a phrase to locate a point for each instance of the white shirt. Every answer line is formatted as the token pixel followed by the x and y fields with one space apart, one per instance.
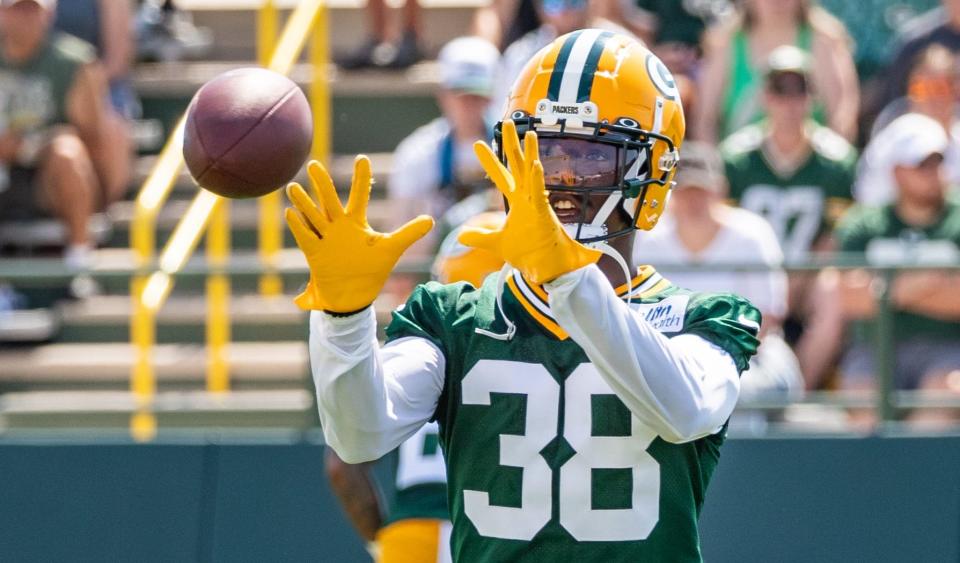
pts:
pixel 415 172
pixel 745 238
pixel 372 398
pixel 875 184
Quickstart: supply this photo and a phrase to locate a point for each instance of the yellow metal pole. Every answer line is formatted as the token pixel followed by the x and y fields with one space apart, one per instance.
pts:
pixel 266 32
pixel 143 424
pixel 218 299
pixel 320 85
pixel 270 229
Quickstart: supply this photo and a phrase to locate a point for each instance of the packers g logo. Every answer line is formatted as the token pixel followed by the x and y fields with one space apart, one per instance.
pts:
pixel 661 78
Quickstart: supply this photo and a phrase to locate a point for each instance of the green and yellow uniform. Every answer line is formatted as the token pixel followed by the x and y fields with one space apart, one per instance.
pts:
pixel 883 236
pixel 544 461
pixel 417 527
pixel 802 204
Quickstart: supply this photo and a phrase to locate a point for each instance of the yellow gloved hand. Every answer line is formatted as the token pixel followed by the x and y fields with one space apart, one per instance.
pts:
pixel 532 239
pixel 349 261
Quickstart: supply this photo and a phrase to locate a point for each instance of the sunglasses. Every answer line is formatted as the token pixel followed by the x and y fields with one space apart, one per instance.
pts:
pixel 931 88
pixel 788 85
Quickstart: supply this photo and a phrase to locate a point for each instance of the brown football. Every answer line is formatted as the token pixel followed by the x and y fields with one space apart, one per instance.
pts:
pixel 248 132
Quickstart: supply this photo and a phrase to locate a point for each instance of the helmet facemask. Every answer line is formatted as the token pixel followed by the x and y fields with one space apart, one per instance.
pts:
pixel 585 160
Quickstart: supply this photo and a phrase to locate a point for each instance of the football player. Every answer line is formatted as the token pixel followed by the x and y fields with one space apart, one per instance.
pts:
pixel 417 524
pixel 580 416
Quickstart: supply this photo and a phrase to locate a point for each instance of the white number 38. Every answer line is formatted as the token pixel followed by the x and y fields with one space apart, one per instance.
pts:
pixel 577 514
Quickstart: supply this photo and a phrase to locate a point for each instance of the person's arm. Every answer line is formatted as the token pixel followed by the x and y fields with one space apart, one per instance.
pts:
pixel 683 387
pixel 839 86
pixel 713 81
pixel 933 294
pixel 370 398
pixel 117 36
pixel 86 104
pixel 354 488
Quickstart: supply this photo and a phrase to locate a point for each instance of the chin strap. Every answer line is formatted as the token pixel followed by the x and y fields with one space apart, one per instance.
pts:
pixel 602 246
pixel 605 248
pixel 511 327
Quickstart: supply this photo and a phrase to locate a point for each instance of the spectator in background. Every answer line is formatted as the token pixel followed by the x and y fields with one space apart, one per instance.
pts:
pixel 876 183
pixel 382 48
pixel 674 30
pixel 798 176
pixel 921 227
pixel 502 22
pixel 107 25
pixel 558 17
pixel 940 26
pixel 54 136
pixel 700 229
pixel 435 166
pixel 167 33
pixel 735 53
pixel 932 95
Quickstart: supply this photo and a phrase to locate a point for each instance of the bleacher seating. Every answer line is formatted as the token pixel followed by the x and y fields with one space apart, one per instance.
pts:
pixel 82 379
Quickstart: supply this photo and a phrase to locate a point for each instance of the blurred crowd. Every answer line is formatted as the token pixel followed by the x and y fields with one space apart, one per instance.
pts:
pixel 795 157
pixel 796 150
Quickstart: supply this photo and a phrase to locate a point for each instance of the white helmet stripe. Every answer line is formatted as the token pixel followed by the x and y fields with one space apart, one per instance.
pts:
pixel 605 210
pixel 572 72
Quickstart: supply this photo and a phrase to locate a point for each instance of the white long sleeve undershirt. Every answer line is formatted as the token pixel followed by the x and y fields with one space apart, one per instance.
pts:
pixel 683 387
pixel 372 398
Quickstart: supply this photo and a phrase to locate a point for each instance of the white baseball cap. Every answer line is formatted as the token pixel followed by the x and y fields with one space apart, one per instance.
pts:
pixel 912 138
pixel 700 166
pixel 469 65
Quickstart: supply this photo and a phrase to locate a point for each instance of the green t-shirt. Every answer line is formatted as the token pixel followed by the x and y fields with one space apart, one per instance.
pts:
pixel 34 94
pixel 884 238
pixel 800 206
pixel 678 22
pixel 419 478
pixel 544 462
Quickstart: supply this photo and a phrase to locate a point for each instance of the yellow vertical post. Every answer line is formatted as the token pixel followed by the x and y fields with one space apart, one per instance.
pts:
pixel 143 423
pixel 320 86
pixel 270 230
pixel 266 32
pixel 218 298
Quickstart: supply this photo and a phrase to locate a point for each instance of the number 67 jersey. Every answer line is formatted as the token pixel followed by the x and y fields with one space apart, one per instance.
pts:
pixel 544 461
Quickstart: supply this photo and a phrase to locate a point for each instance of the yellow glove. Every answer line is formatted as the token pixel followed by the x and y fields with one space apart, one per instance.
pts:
pixel 349 261
pixel 532 239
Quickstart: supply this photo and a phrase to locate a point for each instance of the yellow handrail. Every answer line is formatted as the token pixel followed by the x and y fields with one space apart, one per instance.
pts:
pixel 269 232
pixel 218 300
pixel 320 88
pixel 149 292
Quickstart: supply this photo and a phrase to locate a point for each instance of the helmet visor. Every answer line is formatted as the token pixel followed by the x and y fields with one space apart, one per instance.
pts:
pixel 581 163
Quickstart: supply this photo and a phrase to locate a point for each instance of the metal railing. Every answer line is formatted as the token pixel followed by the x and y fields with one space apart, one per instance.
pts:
pixel 149 289
pixel 887 401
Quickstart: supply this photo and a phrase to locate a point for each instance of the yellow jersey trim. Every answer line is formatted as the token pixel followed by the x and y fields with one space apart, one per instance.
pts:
pixel 535 301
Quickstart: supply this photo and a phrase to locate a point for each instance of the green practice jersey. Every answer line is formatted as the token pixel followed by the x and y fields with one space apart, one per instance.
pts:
pixel 544 461
pixel 800 205
pixel 884 237
pixel 420 478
